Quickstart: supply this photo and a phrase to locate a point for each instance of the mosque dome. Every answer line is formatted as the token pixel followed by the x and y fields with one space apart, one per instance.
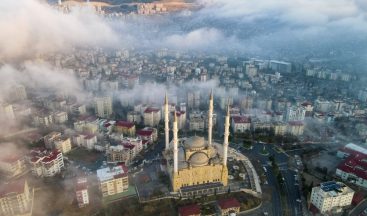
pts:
pixel 199 159
pixel 195 142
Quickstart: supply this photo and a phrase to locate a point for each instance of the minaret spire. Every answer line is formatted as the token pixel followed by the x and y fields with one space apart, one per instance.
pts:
pixel 175 143
pixel 166 120
pixel 210 118
pixel 226 136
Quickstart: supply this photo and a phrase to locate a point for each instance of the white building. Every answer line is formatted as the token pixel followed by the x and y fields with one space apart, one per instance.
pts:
pixel 295 113
pixel 63 144
pixel 60 117
pixel 126 151
pixel 193 100
pixel 354 168
pixel 113 180
pixel 81 192
pixel 12 165
pixel 198 121
pixel 133 116
pixel 280 66
pixel 45 163
pixel 331 197
pixel 147 134
pixel 323 105
pixel 85 140
pixel 103 106
pixel 152 116
pixel 7 112
pixel 296 128
pixel 240 124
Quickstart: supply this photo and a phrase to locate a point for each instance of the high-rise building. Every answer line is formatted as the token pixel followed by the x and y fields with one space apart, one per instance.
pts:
pixel 331 197
pixel 152 116
pixel 103 106
pixel 193 100
pixel 281 67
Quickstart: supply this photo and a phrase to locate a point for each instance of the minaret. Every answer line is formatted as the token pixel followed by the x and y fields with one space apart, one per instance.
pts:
pixel 175 143
pixel 166 120
pixel 226 136
pixel 210 118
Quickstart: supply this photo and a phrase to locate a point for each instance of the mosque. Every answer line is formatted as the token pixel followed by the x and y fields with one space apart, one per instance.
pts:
pixel 196 166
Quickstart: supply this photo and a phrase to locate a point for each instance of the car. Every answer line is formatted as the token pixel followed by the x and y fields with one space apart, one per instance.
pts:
pixel 298 200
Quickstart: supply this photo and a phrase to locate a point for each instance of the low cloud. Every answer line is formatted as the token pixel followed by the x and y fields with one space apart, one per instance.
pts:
pixel 30 28
pixel 39 76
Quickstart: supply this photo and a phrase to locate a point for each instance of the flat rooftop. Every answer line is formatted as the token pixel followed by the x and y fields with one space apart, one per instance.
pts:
pixel 108 173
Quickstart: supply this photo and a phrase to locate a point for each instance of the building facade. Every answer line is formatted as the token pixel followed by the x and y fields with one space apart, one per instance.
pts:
pixel 81 192
pixel 16 198
pixel 152 116
pixel 113 180
pixel 103 106
pixel 331 197
pixel 45 163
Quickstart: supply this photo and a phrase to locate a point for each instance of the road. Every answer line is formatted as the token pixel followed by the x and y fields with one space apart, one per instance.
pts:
pixel 359 208
pixel 290 185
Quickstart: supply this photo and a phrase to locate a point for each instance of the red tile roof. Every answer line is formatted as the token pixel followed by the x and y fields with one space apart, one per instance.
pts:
pixel 228 203
pixel 81 186
pixel 51 157
pixel 151 109
pixel 89 136
pixel 358 197
pixel 129 146
pixel 87 118
pixel 241 119
pixel 124 168
pixel 355 164
pixel 188 210
pixel 144 132
pixel 125 124
pixel 306 103
pixel 44 156
pixel 313 209
pixel 295 123
pixel 16 186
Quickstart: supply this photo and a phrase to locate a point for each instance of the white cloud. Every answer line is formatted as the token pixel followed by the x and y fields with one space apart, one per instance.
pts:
pixel 30 27
pixel 199 38
pixel 295 12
